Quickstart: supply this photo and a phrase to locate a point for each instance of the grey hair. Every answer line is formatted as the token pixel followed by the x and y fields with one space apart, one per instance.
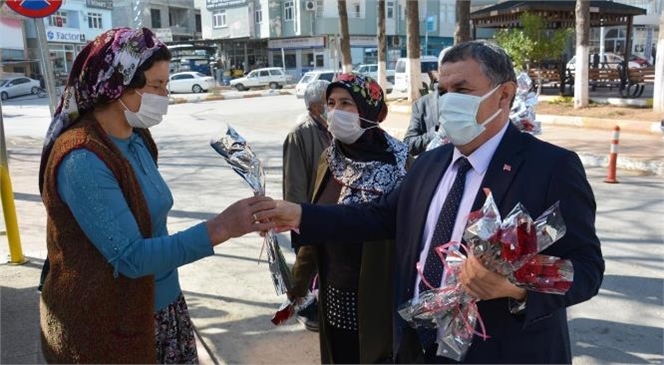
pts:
pixel 442 54
pixel 315 92
pixel 494 61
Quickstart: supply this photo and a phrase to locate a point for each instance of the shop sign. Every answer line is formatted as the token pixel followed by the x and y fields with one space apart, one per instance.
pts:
pixel 64 35
pixel 34 8
pixel 363 41
pixel 222 4
pixel 100 4
pixel 296 43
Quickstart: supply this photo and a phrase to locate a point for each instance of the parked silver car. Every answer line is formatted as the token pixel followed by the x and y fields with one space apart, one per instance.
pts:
pixel 16 86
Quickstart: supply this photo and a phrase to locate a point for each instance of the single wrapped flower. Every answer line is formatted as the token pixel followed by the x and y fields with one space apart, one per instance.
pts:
pixel 522 113
pixel 237 153
pixel 545 274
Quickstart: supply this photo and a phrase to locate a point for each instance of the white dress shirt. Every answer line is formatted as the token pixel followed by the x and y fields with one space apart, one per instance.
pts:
pixel 479 160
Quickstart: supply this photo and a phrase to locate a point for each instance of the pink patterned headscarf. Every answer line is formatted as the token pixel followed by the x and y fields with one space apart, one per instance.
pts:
pixel 100 73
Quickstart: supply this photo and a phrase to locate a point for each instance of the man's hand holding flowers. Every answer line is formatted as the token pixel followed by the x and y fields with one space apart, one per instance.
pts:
pixel 481 283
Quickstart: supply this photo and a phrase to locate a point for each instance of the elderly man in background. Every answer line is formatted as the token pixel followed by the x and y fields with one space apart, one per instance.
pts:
pixel 424 119
pixel 302 149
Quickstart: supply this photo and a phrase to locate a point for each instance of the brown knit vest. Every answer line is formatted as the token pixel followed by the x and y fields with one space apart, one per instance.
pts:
pixel 87 314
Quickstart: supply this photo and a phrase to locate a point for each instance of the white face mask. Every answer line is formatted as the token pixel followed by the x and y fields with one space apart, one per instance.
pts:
pixel 345 126
pixel 458 116
pixel 151 112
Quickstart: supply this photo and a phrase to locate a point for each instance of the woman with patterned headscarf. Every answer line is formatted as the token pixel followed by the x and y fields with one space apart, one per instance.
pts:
pixel 112 292
pixel 362 164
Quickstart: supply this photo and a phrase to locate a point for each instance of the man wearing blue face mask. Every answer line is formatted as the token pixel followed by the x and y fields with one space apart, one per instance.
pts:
pixel 431 207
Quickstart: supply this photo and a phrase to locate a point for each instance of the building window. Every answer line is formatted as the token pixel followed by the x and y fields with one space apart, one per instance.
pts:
pixel 289 10
pixel 258 16
pixel 219 19
pixel 389 9
pixel 155 17
pixel 58 19
pixel 356 10
pixel 199 26
pixel 94 21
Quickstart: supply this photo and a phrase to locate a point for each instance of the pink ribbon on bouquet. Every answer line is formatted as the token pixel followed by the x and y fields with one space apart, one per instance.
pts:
pixel 442 251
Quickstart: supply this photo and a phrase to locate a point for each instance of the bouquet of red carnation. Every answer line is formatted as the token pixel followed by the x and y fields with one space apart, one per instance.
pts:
pixel 510 246
pixel 507 246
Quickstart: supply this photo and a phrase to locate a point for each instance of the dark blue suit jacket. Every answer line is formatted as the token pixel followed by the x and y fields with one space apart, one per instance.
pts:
pixel 523 169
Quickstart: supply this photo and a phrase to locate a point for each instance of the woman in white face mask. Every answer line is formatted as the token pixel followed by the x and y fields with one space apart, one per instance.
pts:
pixel 113 264
pixel 362 164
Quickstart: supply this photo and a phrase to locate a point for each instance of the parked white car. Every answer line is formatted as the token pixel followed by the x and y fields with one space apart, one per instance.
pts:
pixel 371 70
pixel 312 76
pixel 273 77
pixel 16 86
pixel 190 82
pixel 609 60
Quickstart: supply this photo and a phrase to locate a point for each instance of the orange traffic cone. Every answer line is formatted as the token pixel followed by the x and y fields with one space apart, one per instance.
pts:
pixel 613 157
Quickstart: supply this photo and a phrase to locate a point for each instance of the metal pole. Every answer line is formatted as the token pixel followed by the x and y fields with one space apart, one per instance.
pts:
pixel 46 67
pixel 7 197
pixel 283 59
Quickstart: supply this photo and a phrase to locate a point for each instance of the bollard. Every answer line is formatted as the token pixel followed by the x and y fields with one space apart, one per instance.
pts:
pixel 613 157
pixel 7 198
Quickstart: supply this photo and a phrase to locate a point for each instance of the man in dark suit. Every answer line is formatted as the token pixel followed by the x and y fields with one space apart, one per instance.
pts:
pixel 423 119
pixel 478 84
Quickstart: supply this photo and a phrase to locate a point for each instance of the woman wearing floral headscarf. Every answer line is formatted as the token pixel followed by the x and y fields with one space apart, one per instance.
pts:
pixel 112 294
pixel 362 164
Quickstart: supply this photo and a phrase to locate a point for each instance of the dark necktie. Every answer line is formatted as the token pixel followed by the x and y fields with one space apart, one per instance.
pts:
pixel 433 268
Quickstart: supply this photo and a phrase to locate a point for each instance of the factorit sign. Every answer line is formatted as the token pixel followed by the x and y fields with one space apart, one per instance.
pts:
pixel 221 4
pixel 65 37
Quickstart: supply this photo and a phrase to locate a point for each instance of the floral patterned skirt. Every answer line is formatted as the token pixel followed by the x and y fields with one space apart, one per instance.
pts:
pixel 174 334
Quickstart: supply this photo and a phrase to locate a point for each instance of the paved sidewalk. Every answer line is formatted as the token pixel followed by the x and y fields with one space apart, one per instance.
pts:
pixel 19 314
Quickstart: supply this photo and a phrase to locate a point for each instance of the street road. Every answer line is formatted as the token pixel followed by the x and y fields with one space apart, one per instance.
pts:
pixel 230 295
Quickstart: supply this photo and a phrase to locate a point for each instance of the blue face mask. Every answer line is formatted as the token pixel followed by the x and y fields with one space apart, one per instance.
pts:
pixel 458 116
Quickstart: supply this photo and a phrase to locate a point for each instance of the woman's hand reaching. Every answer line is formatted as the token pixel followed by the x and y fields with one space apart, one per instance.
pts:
pixel 240 218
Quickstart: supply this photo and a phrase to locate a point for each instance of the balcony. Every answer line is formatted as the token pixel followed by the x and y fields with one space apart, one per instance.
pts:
pixel 181 30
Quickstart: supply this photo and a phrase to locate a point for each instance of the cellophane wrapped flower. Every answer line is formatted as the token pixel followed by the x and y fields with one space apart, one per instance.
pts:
pixel 447 307
pixel 290 307
pixel 545 274
pixel 439 139
pixel 522 113
pixel 237 153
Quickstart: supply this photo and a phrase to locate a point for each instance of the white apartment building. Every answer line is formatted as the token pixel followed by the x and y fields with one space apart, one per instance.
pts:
pixel 300 35
pixel 67 31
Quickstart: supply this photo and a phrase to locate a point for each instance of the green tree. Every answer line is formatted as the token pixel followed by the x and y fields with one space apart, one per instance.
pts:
pixel 533 43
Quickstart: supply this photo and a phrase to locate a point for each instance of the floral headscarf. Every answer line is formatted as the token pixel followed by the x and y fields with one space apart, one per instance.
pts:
pixel 366 93
pixel 100 73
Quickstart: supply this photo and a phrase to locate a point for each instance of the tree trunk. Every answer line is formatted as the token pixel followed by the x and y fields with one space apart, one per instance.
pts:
pixel 582 54
pixel 413 68
pixel 382 54
pixel 346 62
pixel 462 30
pixel 658 100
